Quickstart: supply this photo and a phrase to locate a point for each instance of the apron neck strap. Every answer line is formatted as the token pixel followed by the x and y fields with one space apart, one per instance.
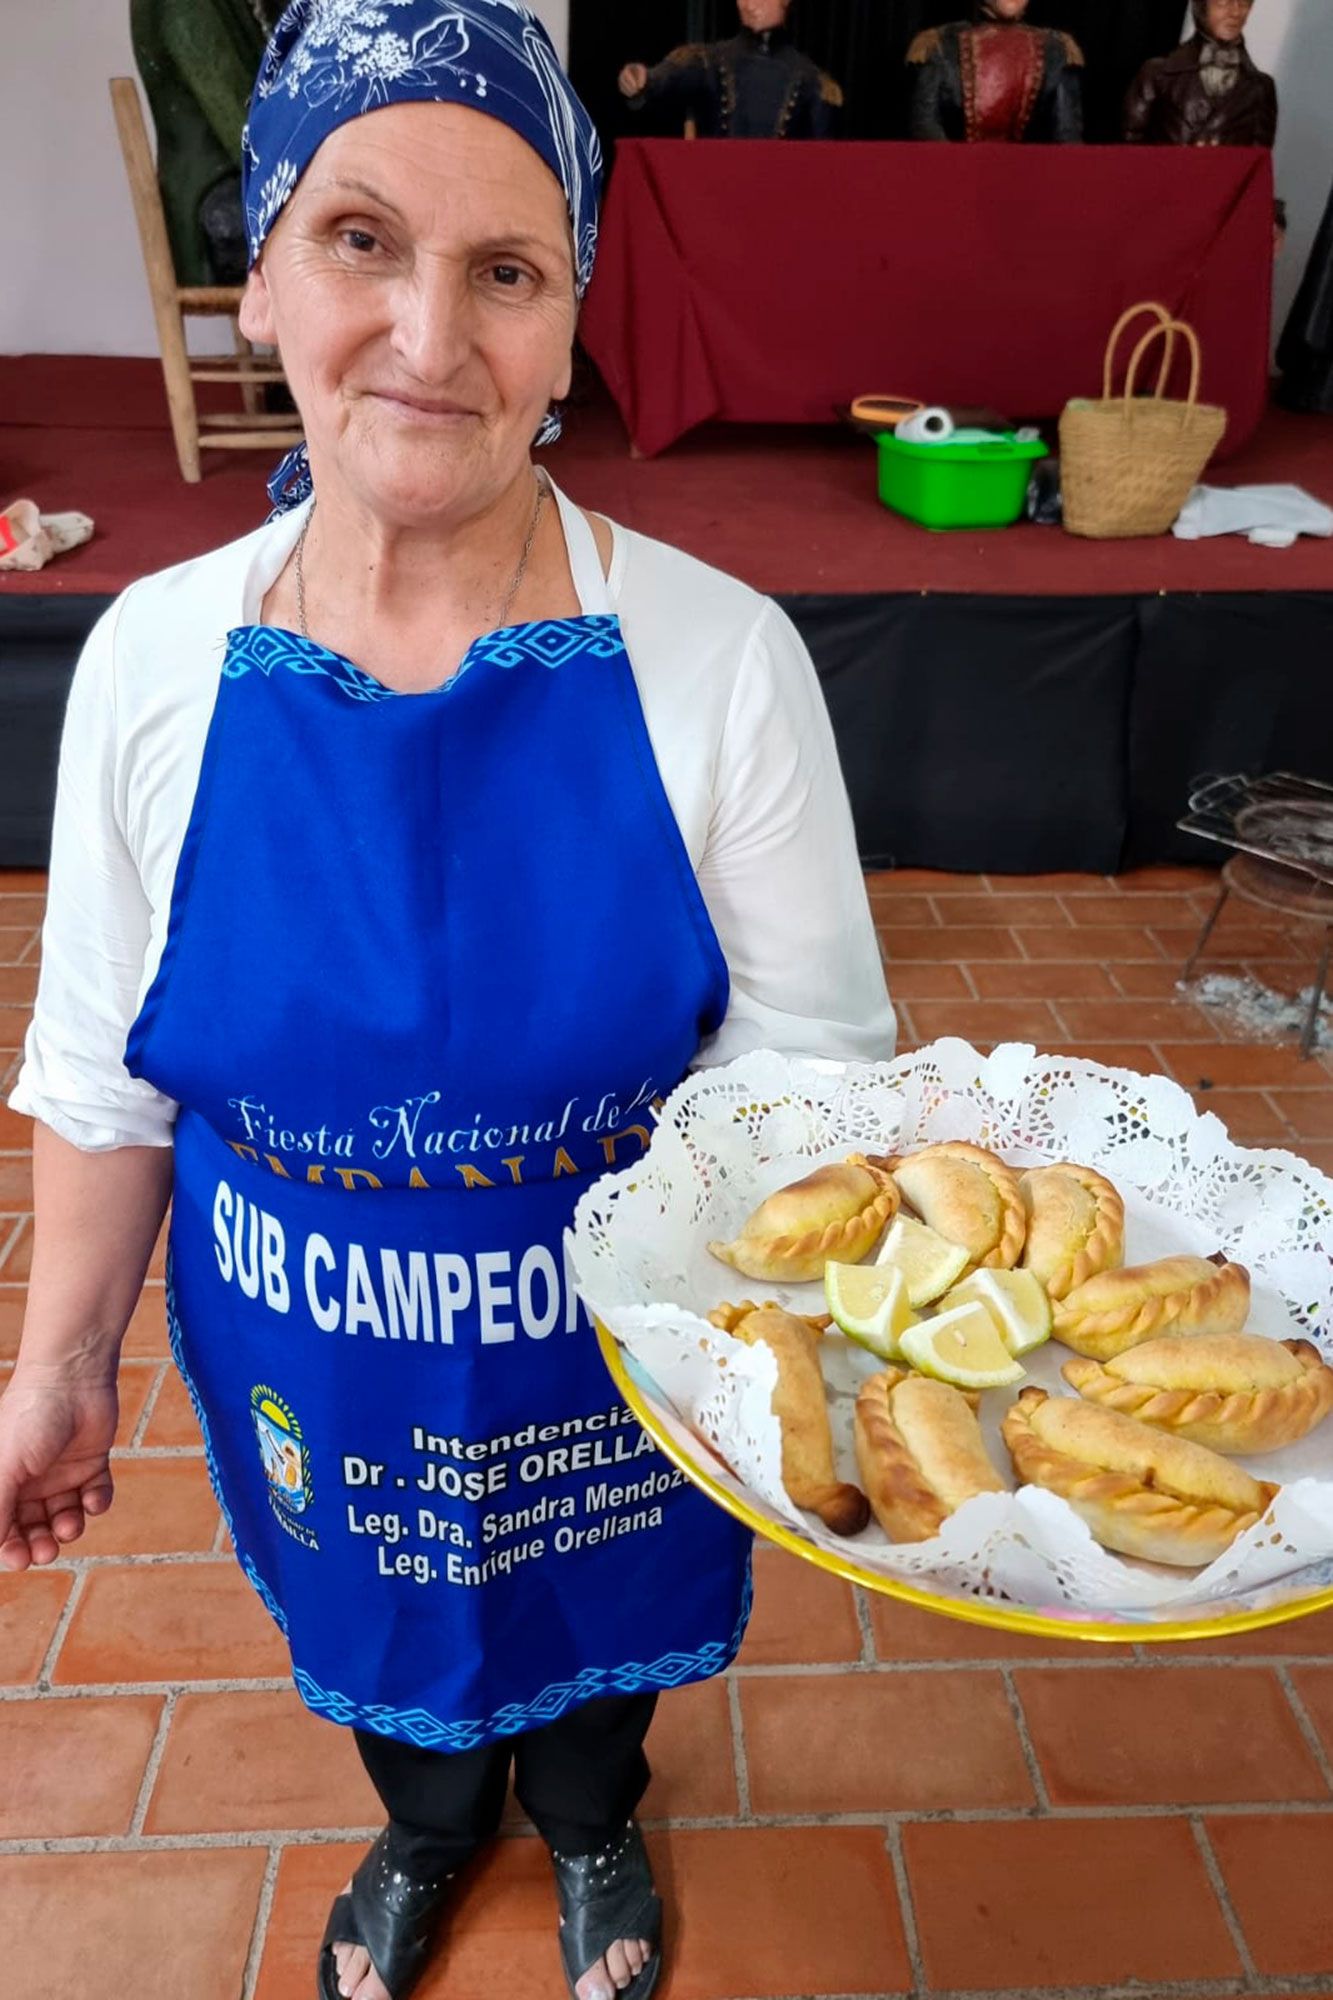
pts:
pixel 585 565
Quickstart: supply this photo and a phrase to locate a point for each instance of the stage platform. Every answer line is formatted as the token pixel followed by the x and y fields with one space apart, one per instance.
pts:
pixel 787 508
pixel 1011 701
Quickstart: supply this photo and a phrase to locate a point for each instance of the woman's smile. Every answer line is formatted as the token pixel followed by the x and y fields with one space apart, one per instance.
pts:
pixel 412 409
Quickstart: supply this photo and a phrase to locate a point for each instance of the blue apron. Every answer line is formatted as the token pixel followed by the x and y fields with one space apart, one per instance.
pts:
pixel 431 961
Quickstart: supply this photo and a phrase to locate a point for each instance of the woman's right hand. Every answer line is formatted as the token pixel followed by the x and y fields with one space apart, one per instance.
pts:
pixel 55 1462
pixel 633 80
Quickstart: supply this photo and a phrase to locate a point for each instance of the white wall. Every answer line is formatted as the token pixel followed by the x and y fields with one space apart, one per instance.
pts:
pixel 1293 41
pixel 74 283
pixel 73 280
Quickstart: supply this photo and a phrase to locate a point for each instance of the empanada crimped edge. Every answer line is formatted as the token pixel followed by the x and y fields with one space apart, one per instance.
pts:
pixel 1123 1514
pixel 1103 1248
pixel 1006 1251
pixel 1103 1328
pixel 1255 1420
pixel 800 1258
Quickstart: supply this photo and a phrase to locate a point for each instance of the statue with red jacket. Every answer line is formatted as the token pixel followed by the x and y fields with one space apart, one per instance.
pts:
pixel 997 77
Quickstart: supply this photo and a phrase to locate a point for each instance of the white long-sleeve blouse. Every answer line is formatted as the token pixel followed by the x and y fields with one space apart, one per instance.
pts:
pixel 742 740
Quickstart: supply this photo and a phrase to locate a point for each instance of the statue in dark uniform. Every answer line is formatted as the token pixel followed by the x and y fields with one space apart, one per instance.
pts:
pixel 1208 92
pixel 996 77
pixel 756 86
pixel 198 60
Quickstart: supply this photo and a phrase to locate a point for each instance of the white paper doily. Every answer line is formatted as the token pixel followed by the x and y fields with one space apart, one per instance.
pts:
pixel 728 1137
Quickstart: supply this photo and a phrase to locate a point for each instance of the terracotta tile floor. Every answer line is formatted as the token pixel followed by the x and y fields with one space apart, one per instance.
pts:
pixel 876 1801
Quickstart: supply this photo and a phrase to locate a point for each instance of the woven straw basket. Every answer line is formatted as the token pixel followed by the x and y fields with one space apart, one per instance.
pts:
pixel 1128 463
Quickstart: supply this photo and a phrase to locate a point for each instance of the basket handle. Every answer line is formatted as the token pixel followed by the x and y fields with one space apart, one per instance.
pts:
pixel 1163 319
pixel 1170 328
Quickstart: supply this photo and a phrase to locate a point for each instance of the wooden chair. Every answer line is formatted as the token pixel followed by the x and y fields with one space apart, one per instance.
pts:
pixel 251 428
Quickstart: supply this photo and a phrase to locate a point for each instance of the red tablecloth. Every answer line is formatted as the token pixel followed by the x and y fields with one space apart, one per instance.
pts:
pixel 770 282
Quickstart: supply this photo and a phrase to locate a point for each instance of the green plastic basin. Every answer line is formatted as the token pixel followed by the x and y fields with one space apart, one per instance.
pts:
pixel 980 485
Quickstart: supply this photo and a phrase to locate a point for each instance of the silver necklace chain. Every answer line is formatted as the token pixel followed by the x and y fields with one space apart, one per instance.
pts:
pixel 516 582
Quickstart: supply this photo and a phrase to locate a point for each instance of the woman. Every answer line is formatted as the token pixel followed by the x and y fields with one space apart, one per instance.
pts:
pixel 406 852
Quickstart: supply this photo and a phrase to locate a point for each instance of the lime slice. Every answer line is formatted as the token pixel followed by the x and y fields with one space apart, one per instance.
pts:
pixel 961 1346
pixel 928 1261
pixel 1015 1300
pixel 870 1305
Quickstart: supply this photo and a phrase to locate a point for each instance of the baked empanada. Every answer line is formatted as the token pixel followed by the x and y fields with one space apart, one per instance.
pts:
pixel 1139 1490
pixel 1117 1309
pixel 921 1454
pixel 799 1404
pixel 1234 1392
pixel 836 1214
pixel 1075 1226
pixel 965 1194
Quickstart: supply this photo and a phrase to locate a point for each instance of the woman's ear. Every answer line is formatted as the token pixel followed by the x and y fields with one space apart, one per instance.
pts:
pixel 255 316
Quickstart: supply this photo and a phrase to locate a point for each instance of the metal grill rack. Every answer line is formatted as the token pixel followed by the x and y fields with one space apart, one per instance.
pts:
pixel 1280 830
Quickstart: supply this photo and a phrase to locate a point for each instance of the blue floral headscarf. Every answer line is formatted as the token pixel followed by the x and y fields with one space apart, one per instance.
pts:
pixel 329 61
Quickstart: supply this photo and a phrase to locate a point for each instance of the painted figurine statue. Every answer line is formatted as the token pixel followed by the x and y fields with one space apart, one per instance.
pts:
pixel 198 60
pixel 758 85
pixel 1209 91
pixel 997 77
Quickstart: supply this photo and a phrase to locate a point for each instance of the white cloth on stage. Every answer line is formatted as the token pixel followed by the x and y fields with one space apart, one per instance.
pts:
pixel 1272 517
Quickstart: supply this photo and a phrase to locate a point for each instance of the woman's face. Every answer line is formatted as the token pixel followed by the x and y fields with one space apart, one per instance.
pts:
pixel 420 287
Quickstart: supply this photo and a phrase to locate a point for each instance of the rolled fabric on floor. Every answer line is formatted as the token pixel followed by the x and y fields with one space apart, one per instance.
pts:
pixel 929 426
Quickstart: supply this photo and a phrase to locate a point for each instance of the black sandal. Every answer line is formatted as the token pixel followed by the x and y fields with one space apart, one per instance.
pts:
pixel 604 1897
pixel 390 1914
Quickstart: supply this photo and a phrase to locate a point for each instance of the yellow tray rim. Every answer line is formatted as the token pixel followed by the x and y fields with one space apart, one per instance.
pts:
pixel 1034 1624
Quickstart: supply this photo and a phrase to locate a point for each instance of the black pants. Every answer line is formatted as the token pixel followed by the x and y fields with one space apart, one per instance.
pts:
pixel 578 1780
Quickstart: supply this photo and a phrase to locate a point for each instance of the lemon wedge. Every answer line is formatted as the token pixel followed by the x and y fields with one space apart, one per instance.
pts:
pixel 961 1346
pixel 869 1304
pixel 1015 1300
pixel 928 1261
